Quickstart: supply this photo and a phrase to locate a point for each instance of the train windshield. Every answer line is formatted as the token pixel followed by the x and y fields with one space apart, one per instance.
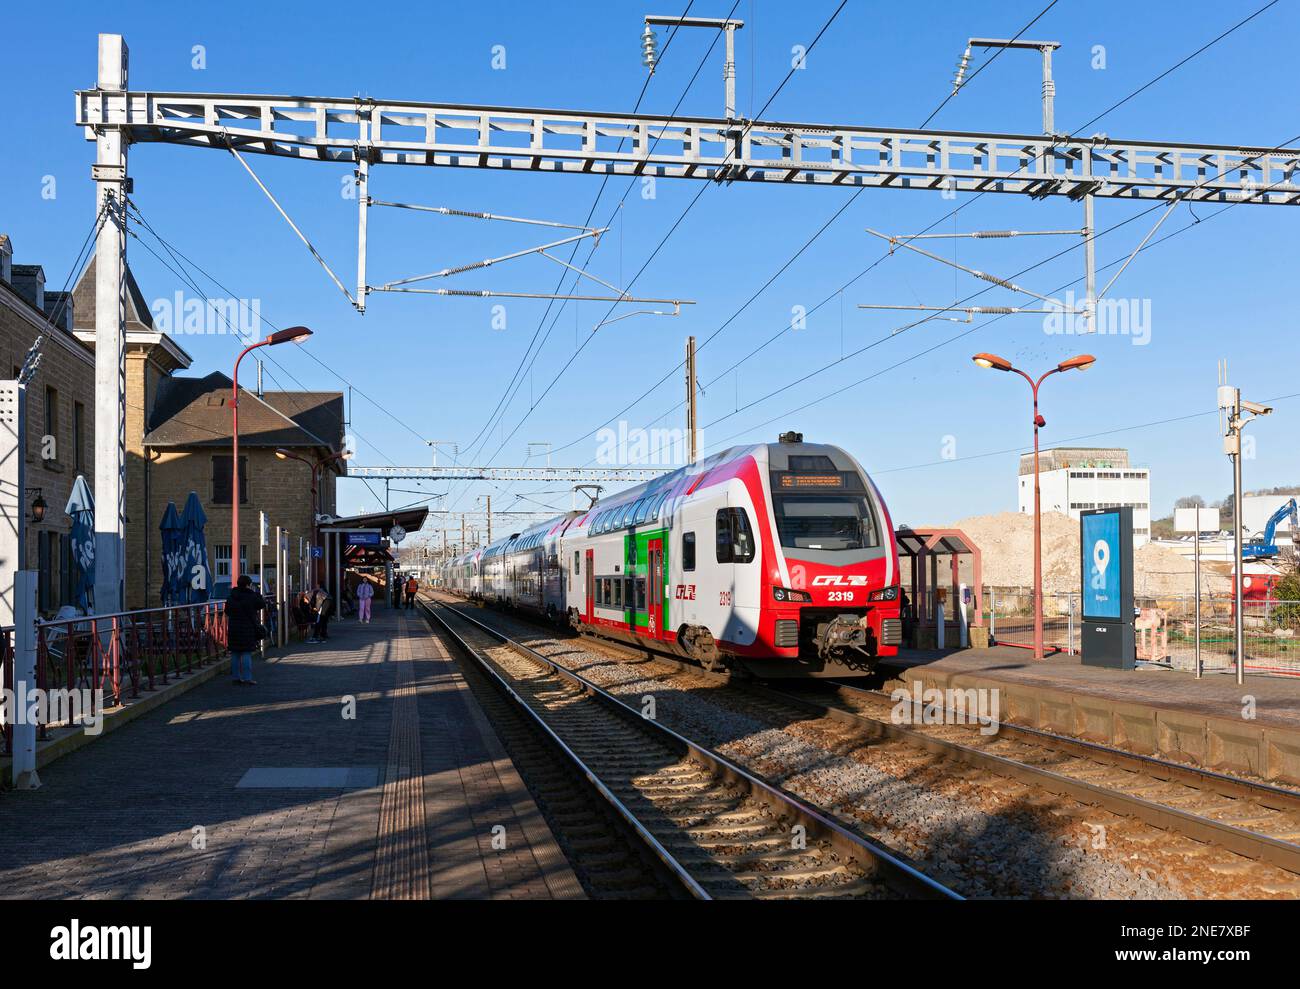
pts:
pixel 826 521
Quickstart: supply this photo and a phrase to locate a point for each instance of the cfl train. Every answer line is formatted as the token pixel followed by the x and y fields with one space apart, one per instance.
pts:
pixel 801 579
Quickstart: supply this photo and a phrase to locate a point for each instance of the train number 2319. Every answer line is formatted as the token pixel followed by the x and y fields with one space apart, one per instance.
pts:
pixel 839 596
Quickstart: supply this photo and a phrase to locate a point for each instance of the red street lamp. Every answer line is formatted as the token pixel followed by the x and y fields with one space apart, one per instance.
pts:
pixel 294 334
pixel 1080 363
pixel 315 466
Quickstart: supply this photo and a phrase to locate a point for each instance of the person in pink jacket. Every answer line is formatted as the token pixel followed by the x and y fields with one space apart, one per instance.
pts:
pixel 365 594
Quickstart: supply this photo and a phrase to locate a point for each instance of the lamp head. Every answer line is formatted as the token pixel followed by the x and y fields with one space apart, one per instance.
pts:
pixel 1081 363
pixel 993 361
pixel 294 334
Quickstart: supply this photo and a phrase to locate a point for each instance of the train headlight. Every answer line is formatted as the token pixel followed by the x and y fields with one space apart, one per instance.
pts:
pixel 784 594
pixel 884 594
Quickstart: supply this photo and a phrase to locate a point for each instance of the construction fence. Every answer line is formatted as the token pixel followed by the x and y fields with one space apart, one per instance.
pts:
pixel 1166 628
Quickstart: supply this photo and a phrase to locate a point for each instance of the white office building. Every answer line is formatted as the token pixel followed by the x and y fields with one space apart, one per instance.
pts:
pixel 1256 510
pixel 1073 479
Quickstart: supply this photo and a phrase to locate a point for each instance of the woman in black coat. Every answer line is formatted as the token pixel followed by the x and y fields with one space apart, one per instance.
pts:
pixel 243 629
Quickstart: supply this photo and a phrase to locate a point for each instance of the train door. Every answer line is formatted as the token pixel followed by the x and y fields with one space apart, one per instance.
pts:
pixel 591 586
pixel 655 587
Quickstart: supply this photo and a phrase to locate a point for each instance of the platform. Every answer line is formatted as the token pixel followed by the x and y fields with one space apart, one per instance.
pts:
pixel 273 791
pixel 1211 722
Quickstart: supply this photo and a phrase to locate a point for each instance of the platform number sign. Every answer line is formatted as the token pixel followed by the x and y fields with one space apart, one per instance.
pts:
pixel 1102 551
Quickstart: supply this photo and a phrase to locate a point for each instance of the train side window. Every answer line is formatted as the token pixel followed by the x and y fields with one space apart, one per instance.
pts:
pixel 735 538
pixel 688 551
pixel 642 510
pixel 640 594
pixel 618 592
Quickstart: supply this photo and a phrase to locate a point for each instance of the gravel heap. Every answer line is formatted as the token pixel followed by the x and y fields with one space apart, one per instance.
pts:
pixel 1006 541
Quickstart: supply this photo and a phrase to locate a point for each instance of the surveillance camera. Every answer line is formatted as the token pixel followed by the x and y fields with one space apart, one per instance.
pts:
pixel 1257 409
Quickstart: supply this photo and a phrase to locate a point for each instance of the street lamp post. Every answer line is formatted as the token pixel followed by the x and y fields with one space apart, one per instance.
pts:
pixel 315 466
pixel 1081 362
pixel 294 334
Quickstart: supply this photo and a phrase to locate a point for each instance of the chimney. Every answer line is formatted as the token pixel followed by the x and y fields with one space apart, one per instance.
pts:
pixel 58 307
pixel 6 258
pixel 28 281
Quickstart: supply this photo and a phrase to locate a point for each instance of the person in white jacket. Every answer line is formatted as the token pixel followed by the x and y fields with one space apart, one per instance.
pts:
pixel 365 594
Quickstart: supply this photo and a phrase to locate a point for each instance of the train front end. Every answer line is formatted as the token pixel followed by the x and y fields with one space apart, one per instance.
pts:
pixel 832 596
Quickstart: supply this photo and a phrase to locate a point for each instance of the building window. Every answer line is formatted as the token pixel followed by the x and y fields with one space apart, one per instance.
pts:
pixel 221 559
pixel 221 480
pixel 688 551
pixel 51 423
pixel 78 436
pixel 50 559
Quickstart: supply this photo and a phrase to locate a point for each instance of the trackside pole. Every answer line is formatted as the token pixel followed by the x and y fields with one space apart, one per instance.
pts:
pixel 24 735
pixel 1196 576
pixel 279 586
pixel 963 630
pixel 111 183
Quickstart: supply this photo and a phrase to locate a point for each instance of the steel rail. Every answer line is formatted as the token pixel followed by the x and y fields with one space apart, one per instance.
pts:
pixel 676 868
pixel 882 864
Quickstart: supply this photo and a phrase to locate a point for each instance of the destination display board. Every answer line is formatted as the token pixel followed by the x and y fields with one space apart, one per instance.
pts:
pixel 800 481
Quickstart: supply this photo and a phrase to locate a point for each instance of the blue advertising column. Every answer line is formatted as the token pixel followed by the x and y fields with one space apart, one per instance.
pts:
pixel 1106 566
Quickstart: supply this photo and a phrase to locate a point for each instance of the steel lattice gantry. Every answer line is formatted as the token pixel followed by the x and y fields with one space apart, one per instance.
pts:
pixel 408 133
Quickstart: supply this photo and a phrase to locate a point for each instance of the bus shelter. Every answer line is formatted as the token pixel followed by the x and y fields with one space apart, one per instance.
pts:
pixel 940 567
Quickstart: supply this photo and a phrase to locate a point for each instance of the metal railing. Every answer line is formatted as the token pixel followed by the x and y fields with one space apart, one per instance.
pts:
pixel 119 654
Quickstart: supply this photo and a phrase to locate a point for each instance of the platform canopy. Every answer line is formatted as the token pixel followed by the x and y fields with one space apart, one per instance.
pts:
pixel 364 541
pixel 923 548
pixel 410 519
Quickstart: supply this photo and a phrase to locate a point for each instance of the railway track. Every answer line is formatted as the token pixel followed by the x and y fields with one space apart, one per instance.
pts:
pixel 608 857
pixel 1247 817
pixel 720 831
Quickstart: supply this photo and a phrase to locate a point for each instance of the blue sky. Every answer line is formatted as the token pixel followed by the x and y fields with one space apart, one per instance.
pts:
pixel 435 368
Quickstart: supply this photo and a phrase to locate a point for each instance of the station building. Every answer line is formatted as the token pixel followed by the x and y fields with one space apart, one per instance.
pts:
pixel 178 440
pixel 60 406
pixel 1074 479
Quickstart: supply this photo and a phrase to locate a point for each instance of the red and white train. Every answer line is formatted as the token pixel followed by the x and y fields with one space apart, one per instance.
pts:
pixel 778 558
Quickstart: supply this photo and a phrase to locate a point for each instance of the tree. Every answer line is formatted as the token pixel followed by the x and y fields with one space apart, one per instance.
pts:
pixel 1190 501
pixel 1288 589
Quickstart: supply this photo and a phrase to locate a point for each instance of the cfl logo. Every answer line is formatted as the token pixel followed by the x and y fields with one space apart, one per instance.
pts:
pixel 840 580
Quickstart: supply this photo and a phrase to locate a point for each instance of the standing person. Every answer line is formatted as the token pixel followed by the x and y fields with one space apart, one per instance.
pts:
pixel 412 585
pixel 322 606
pixel 244 629
pixel 303 615
pixel 365 593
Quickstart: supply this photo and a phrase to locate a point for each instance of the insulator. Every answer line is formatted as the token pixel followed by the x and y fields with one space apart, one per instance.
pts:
pixel 996 280
pixel 996 233
pixel 648 48
pixel 1003 310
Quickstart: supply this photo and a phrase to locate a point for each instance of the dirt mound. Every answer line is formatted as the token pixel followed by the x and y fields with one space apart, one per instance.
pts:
pixel 1007 543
